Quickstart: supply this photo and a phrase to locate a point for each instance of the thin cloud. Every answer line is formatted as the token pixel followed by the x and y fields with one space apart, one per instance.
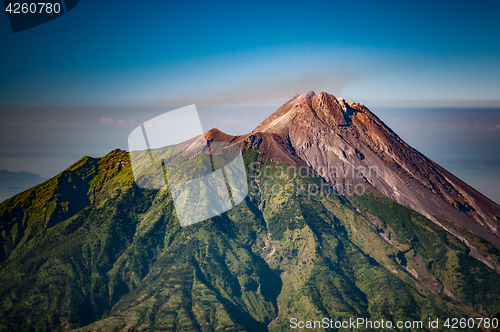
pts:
pixel 54 123
pixel 125 122
pixel 219 120
pixel 495 128
pixel 109 121
pixel 106 121
pixel 47 123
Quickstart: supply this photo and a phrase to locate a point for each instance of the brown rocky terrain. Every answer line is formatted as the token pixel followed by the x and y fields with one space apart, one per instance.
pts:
pixel 90 249
pixel 349 146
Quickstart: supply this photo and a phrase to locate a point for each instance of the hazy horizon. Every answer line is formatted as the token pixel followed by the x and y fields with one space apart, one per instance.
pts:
pixel 465 141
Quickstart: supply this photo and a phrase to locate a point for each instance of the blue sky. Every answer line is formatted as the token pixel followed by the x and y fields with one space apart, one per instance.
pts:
pixel 79 84
pixel 163 54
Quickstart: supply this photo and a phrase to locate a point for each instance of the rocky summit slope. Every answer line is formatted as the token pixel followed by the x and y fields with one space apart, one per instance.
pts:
pixel 329 133
pixel 90 250
pixel 346 145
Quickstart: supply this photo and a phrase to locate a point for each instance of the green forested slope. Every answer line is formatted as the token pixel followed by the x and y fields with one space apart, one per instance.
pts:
pixel 88 249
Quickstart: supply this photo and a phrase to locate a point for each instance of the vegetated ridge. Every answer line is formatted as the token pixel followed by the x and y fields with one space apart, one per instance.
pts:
pixel 90 250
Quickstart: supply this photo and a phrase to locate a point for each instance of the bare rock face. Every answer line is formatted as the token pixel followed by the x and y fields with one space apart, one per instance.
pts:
pixel 348 145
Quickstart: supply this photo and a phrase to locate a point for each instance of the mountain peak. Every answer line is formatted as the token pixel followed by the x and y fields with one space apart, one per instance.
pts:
pixel 215 134
pixel 305 96
pixel 309 107
pixel 327 132
pixel 90 248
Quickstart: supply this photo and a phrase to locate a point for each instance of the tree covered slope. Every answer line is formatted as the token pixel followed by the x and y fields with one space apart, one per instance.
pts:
pixel 89 250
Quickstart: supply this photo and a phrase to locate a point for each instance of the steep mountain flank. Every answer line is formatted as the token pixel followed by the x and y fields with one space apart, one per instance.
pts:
pixel 346 143
pixel 90 250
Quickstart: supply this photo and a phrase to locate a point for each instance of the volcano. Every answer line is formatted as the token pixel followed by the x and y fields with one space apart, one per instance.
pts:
pixel 343 221
pixel 345 143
